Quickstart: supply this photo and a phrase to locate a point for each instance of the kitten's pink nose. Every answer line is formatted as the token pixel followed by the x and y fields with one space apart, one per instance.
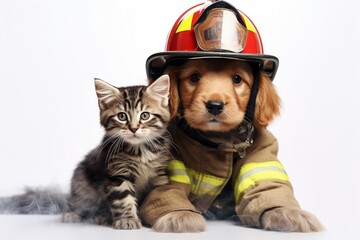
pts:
pixel 133 130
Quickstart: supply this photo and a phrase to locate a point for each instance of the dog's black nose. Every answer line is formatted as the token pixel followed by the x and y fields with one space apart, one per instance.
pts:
pixel 214 107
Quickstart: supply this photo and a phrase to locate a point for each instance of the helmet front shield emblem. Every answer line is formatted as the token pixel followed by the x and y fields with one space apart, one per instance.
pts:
pixel 220 31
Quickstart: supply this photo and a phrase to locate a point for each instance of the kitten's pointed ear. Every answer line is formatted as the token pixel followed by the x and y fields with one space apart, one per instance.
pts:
pixel 160 89
pixel 106 93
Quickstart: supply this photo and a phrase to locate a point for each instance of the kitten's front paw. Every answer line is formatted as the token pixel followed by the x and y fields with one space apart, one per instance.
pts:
pixel 180 221
pixel 127 223
pixel 102 221
pixel 71 217
pixel 290 220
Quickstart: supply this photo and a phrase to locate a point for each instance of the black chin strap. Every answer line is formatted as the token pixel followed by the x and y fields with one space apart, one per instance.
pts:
pixel 250 109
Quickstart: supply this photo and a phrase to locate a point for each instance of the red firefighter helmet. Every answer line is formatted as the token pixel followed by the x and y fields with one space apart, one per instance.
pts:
pixel 212 30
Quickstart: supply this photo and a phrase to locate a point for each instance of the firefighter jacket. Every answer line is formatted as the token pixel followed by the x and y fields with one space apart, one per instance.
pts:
pixel 201 176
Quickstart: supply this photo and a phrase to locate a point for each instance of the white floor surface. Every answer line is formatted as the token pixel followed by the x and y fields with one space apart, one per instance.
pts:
pixel 15 227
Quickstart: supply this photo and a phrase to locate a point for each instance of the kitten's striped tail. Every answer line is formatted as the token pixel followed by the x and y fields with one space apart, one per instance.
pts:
pixel 35 201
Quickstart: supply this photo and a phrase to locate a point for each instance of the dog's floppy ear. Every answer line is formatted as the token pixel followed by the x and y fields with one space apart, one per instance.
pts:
pixel 174 99
pixel 267 102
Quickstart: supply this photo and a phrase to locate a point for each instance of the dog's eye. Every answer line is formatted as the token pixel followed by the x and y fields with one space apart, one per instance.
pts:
pixel 236 79
pixel 195 77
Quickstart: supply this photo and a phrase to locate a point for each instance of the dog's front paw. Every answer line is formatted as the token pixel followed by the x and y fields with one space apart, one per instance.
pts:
pixel 127 223
pixel 180 221
pixel 290 220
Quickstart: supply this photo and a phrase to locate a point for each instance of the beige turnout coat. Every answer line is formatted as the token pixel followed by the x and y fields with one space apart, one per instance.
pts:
pixel 205 179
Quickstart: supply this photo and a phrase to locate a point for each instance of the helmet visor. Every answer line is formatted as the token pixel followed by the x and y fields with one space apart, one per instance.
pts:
pixel 220 31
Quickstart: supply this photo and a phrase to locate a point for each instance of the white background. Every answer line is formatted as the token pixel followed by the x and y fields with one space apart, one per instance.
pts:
pixel 50 51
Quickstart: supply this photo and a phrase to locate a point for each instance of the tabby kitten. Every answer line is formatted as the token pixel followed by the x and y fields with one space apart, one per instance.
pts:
pixel 131 159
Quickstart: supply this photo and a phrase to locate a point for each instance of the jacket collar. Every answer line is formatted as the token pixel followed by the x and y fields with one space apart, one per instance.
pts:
pixel 237 141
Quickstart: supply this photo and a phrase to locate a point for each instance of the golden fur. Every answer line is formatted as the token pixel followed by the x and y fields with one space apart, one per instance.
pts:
pixel 216 84
pixel 180 221
pixel 195 83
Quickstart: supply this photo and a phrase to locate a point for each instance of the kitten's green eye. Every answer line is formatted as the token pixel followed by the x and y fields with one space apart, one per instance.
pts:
pixel 122 116
pixel 145 116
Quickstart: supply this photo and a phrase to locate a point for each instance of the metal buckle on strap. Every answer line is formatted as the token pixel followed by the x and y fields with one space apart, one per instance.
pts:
pixel 246 134
pixel 241 148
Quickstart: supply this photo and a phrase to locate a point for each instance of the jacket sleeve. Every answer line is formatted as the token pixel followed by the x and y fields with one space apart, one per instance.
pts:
pixel 165 199
pixel 260 181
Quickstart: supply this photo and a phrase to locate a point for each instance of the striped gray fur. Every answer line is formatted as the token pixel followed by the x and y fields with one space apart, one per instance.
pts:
pixel 35 201
pixel 131 160
pixel 108 185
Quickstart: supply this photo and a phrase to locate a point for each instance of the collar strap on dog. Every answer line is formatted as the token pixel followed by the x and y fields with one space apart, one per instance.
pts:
pixel 245 132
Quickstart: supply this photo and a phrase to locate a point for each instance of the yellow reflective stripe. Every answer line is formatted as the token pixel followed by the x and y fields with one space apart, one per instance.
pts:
pixel 205 184
pixel 201 184
pixel 206 189
pixel 250 166
pixel 180 178
pixel 177 172
pixel 185 24
pixel 176 164
pixel 253 173
pixel 212 180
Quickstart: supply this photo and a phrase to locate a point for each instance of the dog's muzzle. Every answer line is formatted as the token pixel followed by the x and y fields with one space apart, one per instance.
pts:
pixel 214 107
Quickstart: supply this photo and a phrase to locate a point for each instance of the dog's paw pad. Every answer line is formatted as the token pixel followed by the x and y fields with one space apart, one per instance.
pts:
pixel 291 220
pixel 180 221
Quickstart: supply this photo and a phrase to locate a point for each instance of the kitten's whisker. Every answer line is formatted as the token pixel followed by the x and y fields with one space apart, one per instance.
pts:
pixel 168 140
pixel 100 148
pixel 112 139
pixel 159 144
pixel 112 149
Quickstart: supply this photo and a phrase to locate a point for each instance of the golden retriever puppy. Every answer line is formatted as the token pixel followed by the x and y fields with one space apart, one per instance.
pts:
pixel 211 96
pixel 226 82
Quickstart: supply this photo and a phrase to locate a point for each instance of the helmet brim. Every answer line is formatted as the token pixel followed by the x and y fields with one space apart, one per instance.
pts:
pixel 157 63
